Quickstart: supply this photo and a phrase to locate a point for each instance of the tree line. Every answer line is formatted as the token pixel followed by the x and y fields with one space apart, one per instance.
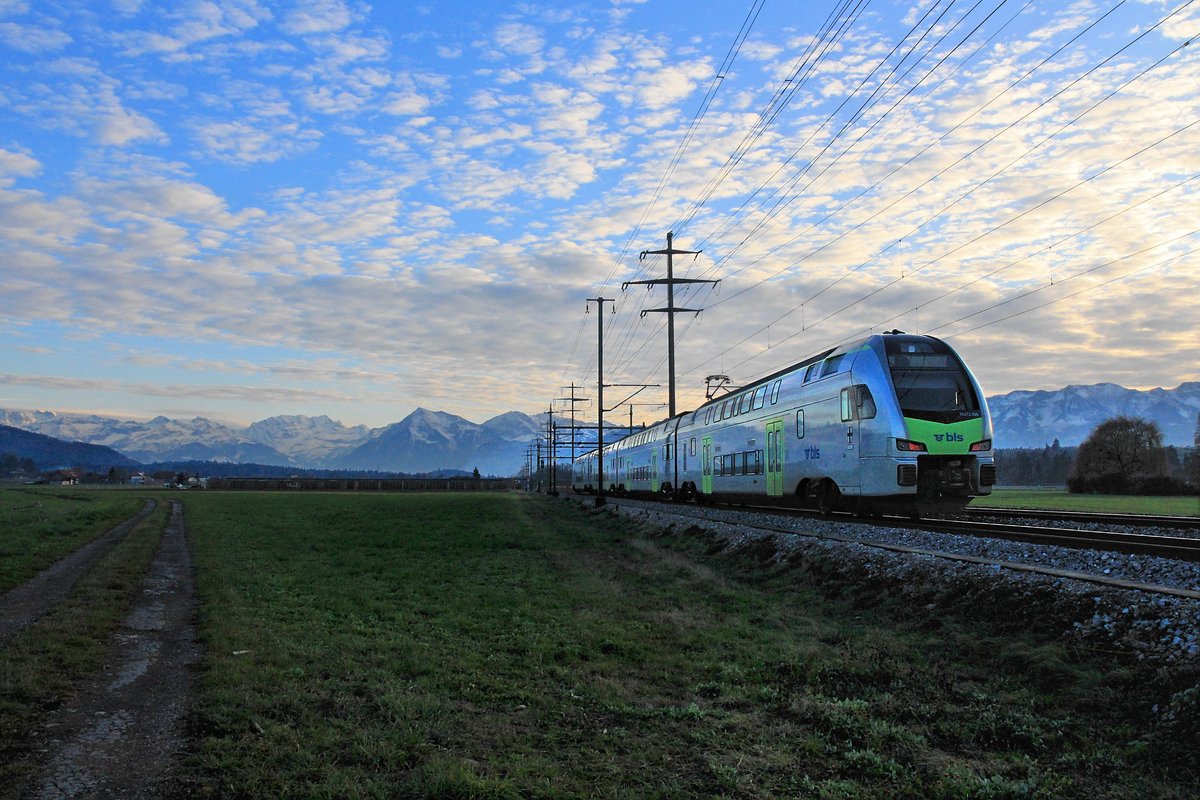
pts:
pixel 1122 455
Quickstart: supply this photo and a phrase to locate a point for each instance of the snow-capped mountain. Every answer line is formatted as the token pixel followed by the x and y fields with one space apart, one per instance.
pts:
pixel 425 441
pixel 158 439
pixel 309 440
pixel 1035 419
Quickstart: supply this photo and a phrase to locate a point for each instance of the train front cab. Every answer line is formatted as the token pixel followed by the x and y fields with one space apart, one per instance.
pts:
pixel 943 456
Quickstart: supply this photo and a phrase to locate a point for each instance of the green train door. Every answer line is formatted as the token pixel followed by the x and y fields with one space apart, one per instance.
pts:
pixel 775 458
pixel 654 470
pixel 706 466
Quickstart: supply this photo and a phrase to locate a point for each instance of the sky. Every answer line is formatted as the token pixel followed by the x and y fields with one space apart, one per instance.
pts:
pixel 238 209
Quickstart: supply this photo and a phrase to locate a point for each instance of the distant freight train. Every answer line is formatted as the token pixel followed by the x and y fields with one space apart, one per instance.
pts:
pixel 891 423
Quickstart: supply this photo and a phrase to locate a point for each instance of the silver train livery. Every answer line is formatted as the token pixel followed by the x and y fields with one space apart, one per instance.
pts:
pixel 892 423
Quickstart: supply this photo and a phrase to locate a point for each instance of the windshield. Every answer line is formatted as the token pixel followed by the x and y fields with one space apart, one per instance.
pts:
pixel 930 382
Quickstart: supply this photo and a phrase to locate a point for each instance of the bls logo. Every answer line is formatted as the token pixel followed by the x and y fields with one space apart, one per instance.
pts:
pixel 948 437
pixel 812 453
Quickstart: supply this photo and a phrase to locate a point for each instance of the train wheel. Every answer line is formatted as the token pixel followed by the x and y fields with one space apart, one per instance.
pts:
pixel 827 495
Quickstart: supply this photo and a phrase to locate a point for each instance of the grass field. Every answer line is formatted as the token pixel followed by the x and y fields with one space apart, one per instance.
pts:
pixel 40 525
pixel 1062 500
pixel 516 646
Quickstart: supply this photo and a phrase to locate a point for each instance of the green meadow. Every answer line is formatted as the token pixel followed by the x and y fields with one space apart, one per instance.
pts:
pixel 40 525
pixel 389 645
pixel 1062 500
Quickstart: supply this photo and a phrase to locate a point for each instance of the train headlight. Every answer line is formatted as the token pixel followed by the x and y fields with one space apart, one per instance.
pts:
pixel 980 447
pixel 909 446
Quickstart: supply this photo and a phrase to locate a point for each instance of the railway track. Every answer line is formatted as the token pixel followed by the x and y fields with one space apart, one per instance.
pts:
pixel 1174 547
pixel 1178 547
pixel 1155 520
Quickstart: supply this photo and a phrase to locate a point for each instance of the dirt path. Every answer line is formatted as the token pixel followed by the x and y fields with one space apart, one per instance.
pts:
pixel 25 604
pixel 122 734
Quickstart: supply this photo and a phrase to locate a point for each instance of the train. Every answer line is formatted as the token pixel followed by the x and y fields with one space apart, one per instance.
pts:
pixel 892 423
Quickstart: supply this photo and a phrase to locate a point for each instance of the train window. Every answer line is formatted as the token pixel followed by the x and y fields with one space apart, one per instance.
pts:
pixel 811 372
pixel 747 400
pixel 760 397
pixel 775 391
pixel 831 365
pixel 725 410
pixel 692 447
pixel 847 405
pixel 800 424
pixel 866 403
pixel 727 466
pixel 758 466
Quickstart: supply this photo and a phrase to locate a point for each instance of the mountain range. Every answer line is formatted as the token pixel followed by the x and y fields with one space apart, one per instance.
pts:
pixel 427 441
pixel 1035 419
pixel 424 441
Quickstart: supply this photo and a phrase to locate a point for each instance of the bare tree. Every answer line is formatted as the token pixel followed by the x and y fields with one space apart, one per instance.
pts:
pixel 1116 455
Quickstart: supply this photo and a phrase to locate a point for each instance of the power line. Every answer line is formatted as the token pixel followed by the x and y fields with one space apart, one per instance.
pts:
pixel 1073 294
pixel 962 197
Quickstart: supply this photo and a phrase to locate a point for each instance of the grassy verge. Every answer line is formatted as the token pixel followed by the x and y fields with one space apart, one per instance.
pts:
pixel 38 526
pixel 41 664
pixel 1062 500
pixel 510 646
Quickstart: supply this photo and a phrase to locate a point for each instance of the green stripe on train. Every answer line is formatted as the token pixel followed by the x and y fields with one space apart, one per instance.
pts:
pixel 945 438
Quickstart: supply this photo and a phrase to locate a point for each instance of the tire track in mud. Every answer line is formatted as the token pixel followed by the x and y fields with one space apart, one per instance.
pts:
pixel 25 604
pixel 122 734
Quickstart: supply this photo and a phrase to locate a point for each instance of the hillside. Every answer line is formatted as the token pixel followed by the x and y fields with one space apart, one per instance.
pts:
pixel 50 453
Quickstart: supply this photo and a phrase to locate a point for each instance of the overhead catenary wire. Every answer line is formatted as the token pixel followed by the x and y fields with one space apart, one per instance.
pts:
pixel 959 247
pixel 782 198
pixel 772 110
pixel 832 31
pixel 1092 288
pixel 973 189
pixel 961 159
pixel 1057 243
pixel 824 41
pixel 868 103
pixel 718 78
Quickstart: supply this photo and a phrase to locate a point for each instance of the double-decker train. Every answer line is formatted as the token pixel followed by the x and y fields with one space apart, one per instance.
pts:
pixel 891 423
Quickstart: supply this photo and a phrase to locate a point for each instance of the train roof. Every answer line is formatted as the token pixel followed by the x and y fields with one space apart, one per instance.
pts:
pixel 799 365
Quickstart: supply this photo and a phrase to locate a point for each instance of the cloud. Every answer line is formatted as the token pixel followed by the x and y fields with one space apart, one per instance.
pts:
pixel 281 187
pixel 193 23
pixel 75 97
pixel 317 16
pixel 21 165
pixel 254 141
pixel 518 38
pixel 32 39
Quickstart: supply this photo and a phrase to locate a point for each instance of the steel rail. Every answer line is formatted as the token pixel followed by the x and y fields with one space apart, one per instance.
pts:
pixel 1177 547
pixel 1156 520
